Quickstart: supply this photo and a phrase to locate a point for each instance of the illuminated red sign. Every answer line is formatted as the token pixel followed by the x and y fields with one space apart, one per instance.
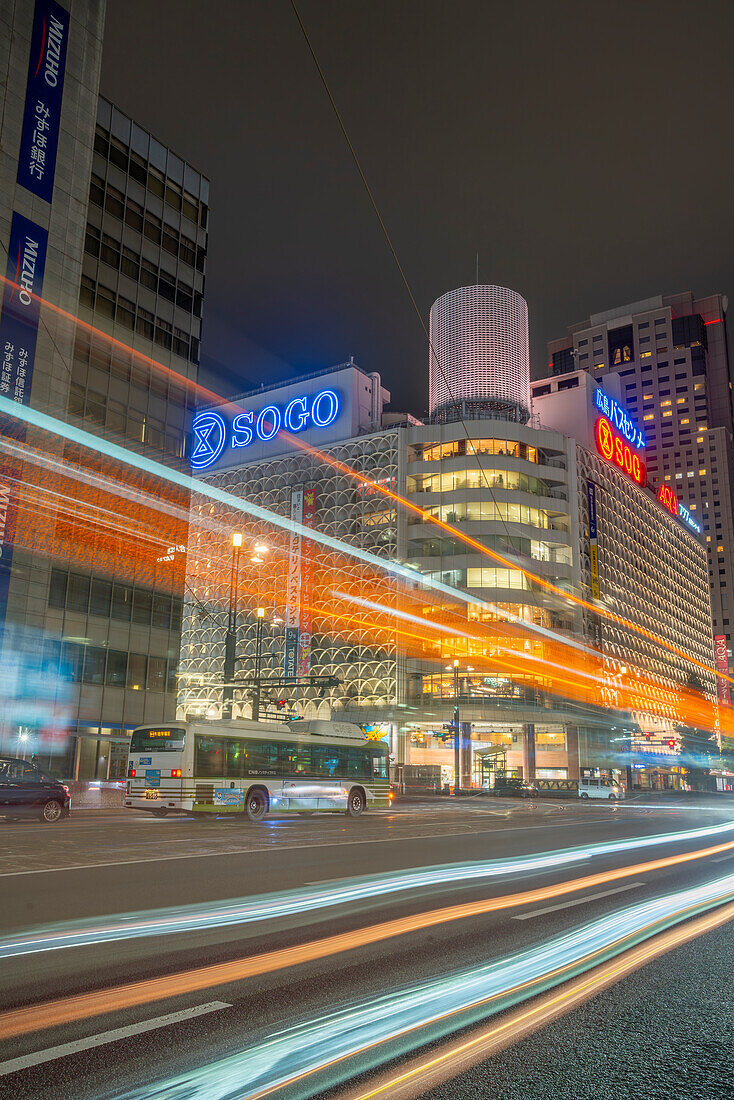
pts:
pixel 668 499
pixel 617 450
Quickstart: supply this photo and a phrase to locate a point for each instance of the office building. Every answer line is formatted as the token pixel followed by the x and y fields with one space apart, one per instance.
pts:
pixel 671 357
pixel 122 224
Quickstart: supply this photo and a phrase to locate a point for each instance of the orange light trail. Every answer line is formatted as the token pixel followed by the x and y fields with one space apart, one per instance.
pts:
pixel 22 1021
pixel 395 497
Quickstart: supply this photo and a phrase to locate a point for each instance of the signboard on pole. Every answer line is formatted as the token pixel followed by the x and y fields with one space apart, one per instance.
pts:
pixel 293 589
pixel 306 617
pixel 722 666
pixel 593 543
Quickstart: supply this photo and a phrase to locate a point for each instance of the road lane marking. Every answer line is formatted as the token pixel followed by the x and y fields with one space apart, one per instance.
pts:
pixel 14 1065
pixel 578 901
pixel 720 859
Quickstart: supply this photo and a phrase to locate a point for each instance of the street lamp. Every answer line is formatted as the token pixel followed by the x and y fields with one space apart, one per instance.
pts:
pixel 260 612
pixel 457 746
pixel 230 642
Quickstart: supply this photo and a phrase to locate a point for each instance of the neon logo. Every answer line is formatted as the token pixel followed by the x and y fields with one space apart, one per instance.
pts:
pixel 617 450
pixel 211 432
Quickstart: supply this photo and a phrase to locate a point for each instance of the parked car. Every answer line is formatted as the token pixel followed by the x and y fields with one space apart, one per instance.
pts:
pixel 27 791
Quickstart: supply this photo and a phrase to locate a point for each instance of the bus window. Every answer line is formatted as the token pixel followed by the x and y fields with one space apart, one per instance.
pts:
pixel 379 766
pixel 209 758
pixel 261 758
pixel 303 759
pixel 287 759
pixel 356 764
pixel 235 758
pixel 158 740
pixel 325 761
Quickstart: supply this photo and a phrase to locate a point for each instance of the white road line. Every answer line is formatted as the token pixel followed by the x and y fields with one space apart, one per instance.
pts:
pixel 299 847
pixel 578 901
pixel 104 1037
pixel 720 859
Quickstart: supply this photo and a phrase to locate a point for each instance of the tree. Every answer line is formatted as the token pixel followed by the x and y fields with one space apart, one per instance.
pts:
pixel 698 746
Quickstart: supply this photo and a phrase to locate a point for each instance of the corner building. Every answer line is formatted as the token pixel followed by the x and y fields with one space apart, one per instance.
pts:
pixel 517 483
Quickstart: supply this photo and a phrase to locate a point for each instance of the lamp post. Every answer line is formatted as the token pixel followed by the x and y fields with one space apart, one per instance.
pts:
pixel 457 732
pixel 230 642
pixel 258 663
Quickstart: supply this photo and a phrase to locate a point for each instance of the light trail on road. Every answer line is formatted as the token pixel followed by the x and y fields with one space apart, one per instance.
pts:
pixel 455 1057
pixel 410 1017
pixel 82 1006
pixel 314 899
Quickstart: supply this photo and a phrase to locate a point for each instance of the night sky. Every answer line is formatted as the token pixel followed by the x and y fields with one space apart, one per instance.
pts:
pixel 584 150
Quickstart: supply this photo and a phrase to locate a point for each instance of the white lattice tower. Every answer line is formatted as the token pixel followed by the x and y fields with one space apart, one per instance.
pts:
pixel 479 335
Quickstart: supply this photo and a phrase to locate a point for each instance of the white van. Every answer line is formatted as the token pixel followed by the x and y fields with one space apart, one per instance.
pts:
pixel 600 788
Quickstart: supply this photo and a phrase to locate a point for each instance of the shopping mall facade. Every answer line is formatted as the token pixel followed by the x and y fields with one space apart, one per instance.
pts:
pixel 530 548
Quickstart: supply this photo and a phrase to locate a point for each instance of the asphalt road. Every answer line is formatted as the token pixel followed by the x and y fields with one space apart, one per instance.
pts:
pixel 101 863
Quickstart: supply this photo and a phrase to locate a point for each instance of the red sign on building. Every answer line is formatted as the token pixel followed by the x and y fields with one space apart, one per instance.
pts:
pixel 668 499
pixel 722 666
pixel 616 449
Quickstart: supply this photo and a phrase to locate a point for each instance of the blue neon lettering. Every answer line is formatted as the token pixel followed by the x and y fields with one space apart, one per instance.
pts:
pixel 271 412
pixel 211 433
pixel 621 420
pixel 240 426
pixel 323 422
pixel 300 403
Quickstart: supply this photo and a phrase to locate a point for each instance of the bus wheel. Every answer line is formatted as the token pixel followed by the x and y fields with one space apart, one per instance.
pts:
pixel 355 802
pixel 160 812
pixel 257 805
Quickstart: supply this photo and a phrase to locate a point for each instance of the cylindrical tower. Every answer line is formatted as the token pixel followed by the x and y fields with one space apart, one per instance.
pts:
pixel 479 335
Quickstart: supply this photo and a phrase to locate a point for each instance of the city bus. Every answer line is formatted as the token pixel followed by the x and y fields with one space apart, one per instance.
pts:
pixel 254 768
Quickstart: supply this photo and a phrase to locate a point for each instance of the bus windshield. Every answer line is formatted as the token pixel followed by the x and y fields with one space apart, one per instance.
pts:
pixel 165 739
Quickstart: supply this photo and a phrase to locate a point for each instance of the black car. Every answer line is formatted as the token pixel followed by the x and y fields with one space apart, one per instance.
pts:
pixel 26 791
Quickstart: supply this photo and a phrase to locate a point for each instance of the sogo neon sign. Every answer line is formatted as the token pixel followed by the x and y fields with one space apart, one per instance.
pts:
pixel 616 449
pixel 210 430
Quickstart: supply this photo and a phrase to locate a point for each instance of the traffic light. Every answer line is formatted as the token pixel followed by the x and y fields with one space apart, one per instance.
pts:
pixel 280 703
pixel 670 743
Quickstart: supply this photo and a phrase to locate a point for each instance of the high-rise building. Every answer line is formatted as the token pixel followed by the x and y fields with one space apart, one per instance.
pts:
pixel 671 357
pixel 116 224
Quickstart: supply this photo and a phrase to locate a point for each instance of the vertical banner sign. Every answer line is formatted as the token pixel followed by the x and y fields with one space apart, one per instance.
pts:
pixel 18 333
pixel 722 665
pixel 43 94
pixel 293 590
pixel 593 543
pixel 304 632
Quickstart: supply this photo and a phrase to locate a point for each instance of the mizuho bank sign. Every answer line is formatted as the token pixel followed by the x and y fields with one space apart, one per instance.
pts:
pixel 211 433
